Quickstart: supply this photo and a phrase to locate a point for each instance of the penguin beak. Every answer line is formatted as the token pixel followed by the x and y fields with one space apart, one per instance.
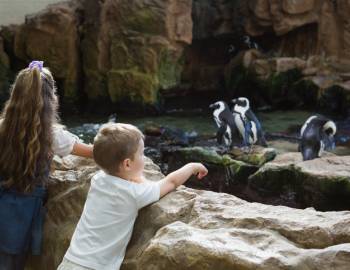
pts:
pixel 212 106
pixel 234 103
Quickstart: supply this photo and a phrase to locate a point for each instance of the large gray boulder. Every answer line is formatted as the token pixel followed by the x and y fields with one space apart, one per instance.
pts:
pixel 192 229
pixel 323 183
pixel 195 229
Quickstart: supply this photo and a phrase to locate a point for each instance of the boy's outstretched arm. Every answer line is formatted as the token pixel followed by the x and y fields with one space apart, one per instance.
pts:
pixel 83 150
pixel 180 176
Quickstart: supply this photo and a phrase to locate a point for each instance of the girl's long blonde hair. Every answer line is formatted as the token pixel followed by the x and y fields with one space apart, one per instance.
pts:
pixel 26 130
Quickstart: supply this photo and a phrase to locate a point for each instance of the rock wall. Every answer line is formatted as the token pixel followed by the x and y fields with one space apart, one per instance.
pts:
pixel 125 53
pixel 194 229
pixel 312 33
pixel 14 11
pixel 217 32
pixel 4 71
pixel 133 49
pixel 119 51
pixel 282 18
pixel 52 35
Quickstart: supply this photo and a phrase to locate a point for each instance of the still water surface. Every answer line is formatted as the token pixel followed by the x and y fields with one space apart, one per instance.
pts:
pixel 282 122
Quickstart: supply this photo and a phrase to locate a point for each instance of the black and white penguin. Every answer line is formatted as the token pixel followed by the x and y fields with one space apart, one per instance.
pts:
pixel 112 118
pixel 317 135
pixel 224 119
pixel 247 123
pixel 250 44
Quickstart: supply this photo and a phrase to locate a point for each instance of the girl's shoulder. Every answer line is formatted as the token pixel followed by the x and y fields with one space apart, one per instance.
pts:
pixel 63 140
pixel 58 127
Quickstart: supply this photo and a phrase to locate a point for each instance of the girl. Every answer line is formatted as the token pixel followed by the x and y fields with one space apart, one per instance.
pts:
pixel 29 137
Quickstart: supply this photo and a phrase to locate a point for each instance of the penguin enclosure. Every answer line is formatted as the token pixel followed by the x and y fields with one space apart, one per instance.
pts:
pixel 163 77
pixel 257 91
pixel 275 174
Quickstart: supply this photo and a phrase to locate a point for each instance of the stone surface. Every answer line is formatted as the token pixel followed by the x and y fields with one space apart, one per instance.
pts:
pixel 256 155
pixel 284 64
pixel 297 6
pixel 4 70
pixel 193 229
pixel 52 35
pixel 289 32
pixel 330 34
pixel 67 192
pixel 213 18
pixel 7 34
pixel 135 46
pixel 322 183
pixel 112 51
pixel 317 81
pixel 131 51
pixel 226 174
pixel 217 36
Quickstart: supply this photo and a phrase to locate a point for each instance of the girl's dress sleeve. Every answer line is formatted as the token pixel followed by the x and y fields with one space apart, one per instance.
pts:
pixel 63 141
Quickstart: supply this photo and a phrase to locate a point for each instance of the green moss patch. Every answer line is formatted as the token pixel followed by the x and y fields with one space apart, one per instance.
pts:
pixel 136 86
pixel 146 21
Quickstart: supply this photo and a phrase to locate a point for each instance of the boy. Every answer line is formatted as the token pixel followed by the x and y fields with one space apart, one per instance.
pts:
pixel 115 196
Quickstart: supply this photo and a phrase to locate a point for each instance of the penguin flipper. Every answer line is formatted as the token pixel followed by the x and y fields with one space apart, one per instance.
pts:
pixel 261 137
pixel 247 133
pixel 251 116
pixel 220 133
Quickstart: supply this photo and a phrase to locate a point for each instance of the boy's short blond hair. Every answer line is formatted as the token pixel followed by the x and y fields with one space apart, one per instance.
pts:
pixel 114 143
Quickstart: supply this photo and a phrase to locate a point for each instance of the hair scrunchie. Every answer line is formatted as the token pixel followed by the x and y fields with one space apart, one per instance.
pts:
pixel 36 63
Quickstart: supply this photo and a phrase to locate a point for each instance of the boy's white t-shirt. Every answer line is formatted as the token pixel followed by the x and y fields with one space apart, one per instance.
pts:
pixel 105 226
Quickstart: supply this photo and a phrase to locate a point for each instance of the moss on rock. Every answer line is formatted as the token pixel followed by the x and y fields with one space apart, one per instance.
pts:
pixel 288 88
pixel 146 21
pixel 323 183
pixel 136 86
pixel 257 156
pixel 120 56
pixel 225 173
pixel 169 69
pixel 96 83
pixel 202 154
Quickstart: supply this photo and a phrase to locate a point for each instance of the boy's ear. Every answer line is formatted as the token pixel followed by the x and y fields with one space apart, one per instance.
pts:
pixel 126 164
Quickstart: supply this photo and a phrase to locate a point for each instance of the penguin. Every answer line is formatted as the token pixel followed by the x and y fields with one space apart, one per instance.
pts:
pixel 224 119
pixel 112 118
pixel 250 44
pixel 231 49
pixel 316 135
pixel 247 123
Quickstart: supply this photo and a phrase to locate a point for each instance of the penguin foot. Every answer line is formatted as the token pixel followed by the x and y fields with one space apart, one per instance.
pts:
pixel 222 149
pixel 247 149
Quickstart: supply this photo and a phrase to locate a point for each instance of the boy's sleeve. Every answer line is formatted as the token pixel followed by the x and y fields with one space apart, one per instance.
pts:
pixel 147 193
